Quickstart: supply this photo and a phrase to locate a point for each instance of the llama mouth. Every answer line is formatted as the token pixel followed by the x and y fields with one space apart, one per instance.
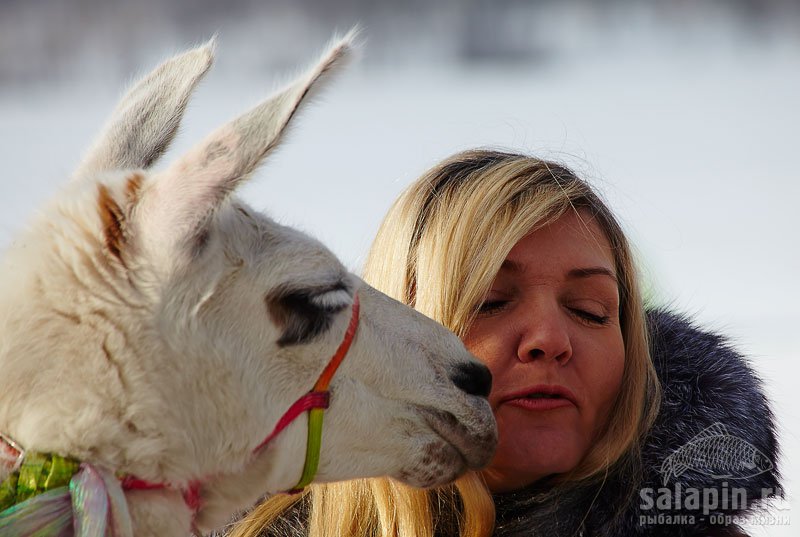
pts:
pixel 476 450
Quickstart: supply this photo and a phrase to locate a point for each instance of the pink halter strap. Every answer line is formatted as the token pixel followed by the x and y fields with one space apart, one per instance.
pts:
pixel 306 402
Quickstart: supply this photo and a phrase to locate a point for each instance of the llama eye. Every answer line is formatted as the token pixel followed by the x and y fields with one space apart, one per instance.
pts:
pixel 334 300
pixel 303 314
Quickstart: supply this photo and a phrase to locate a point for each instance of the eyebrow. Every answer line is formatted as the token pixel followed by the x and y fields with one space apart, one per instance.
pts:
pixel 576 273
pixel 591 271
pixel 512 266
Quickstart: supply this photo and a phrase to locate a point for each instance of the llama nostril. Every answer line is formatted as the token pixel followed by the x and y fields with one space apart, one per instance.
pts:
pixel 473 378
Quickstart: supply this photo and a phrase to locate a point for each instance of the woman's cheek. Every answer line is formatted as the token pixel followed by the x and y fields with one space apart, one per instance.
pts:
pixel 605 380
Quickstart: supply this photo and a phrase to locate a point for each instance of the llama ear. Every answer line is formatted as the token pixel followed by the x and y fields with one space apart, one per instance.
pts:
pixel 188 192
pixel 146 119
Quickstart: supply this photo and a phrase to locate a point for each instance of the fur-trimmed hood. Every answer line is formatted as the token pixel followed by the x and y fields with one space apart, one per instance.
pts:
pixel 710 457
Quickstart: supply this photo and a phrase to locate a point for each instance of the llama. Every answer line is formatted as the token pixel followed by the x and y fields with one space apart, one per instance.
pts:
pixel 155 329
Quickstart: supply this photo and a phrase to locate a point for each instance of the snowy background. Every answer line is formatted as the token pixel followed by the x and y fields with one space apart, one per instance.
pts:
pixel 683 113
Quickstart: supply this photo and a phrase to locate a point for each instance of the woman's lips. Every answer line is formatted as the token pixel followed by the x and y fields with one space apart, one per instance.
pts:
pixel 540 397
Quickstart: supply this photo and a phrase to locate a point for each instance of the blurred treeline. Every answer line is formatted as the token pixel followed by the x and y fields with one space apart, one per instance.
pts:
pixel 66 39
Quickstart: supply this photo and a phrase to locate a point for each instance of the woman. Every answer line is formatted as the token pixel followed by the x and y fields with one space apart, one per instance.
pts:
pixel 524 262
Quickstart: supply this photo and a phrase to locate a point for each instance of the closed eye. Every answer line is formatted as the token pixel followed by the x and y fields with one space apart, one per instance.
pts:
pixel 590 317
pixel 489 307
pixel 334 300
pixel 303 314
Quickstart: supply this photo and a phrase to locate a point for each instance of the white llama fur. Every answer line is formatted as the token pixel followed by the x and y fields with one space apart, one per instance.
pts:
pixel 141 315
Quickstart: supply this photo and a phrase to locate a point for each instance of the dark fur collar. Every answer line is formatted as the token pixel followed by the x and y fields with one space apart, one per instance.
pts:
pixel 706 384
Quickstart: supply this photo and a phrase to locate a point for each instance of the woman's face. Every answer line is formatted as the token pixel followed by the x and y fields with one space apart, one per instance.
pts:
pixel 549 331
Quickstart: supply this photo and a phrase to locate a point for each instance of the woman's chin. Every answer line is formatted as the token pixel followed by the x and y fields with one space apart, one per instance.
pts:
pixel 524 457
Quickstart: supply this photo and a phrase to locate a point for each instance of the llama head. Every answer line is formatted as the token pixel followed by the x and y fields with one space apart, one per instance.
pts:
pixel 155 324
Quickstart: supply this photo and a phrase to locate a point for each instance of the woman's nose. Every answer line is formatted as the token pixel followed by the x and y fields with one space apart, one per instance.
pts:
pixel 544 337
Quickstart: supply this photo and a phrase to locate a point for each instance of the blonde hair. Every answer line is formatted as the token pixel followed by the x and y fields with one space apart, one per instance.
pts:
pixel 438 250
